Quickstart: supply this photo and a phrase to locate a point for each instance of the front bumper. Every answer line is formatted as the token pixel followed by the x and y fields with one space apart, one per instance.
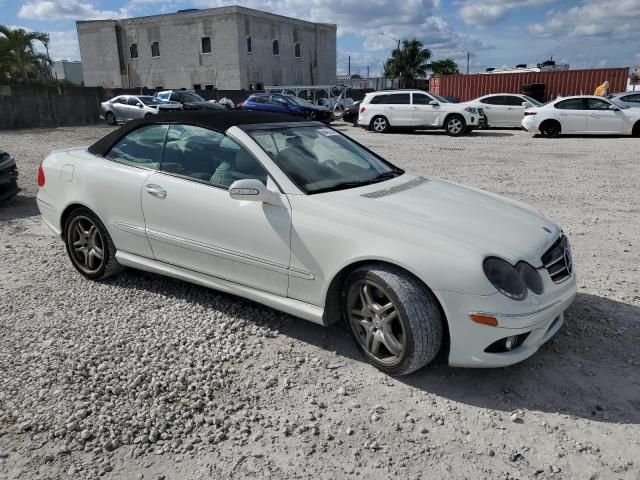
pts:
pixel 8 178
pixel 539 319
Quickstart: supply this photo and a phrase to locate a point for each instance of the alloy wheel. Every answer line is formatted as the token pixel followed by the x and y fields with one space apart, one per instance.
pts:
pixel 86 244
pixel 455 126
pixel 379 124
pixel 375 320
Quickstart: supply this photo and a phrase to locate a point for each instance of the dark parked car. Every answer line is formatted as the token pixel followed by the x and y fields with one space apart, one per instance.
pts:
pixel 189 99
pixel 350 114
pixel 8 176
pixel 289 104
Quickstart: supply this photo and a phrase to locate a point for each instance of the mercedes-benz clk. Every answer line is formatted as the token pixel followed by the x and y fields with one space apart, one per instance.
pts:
pixel 301 218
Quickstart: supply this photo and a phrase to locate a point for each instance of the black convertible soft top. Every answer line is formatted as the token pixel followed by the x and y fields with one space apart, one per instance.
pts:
pixel 212 119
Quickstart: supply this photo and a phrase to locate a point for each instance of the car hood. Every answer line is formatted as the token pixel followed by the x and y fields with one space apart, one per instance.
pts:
pixel 477 220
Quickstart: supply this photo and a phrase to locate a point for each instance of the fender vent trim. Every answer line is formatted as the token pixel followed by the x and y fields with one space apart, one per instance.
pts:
pixel 396 188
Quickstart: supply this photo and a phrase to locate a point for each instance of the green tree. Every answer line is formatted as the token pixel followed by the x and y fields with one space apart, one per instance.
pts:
pixel 19 59
pixel 409 62
pixel 446 66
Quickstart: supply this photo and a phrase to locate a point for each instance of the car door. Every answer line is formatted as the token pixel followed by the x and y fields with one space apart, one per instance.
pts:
pixel 116 182
pixel 572 114
pixel 602 119
pixel 279 104
pixel 514 112
pixel 495 109
pixel 192 222
pixel 424 114
pixel 399 110
pixel 136 110
pixel 119 107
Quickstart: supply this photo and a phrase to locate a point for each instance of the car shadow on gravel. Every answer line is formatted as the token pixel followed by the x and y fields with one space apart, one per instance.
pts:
pixel 589 369
pixel 17 207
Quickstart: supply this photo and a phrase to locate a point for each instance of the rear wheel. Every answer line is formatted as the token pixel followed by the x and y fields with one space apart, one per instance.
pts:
pixel 111 118
pixel 380 124
pixel 636 129
pixel 393 317
pixel 148 115
pixel 550 128
pixel 89 245
pixel 455 125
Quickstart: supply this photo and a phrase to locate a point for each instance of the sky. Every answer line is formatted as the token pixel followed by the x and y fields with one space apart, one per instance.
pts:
pixel 496 33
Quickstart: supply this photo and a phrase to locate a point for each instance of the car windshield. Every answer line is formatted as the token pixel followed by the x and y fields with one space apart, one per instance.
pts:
pixel 439 98
pixel 320 159
pixel 297 101
pixel 150 100
pixel 191 97
pixel 532 101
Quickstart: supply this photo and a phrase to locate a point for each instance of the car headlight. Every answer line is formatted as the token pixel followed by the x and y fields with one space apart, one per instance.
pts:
pixel 505 277
pixel 471 110
pixel 531 277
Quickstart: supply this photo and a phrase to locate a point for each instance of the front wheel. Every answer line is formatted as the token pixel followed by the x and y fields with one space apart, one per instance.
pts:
pixel 393 317
pixel 89 245
pixel 455 125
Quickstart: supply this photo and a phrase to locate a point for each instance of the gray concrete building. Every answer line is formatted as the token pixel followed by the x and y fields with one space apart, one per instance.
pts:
pixel 226 48
pixel 70 70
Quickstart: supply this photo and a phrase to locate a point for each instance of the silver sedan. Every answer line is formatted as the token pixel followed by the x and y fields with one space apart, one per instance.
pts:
pixel 128 107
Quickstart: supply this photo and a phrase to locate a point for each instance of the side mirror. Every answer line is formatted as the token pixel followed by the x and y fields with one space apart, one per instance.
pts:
pixel 614 108
pixel 433 103
pixel 139 105
pixel 250 190
pixel 527 104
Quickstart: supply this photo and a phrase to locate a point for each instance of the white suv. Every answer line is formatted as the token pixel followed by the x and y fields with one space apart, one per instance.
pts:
pixel 383 110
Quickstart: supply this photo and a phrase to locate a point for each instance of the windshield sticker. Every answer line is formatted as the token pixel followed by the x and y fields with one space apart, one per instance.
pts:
pixel 327 132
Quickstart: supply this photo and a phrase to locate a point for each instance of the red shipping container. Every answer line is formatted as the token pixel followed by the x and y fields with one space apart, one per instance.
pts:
pixel 558 83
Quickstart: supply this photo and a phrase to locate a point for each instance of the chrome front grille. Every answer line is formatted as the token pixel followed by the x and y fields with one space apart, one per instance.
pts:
pixel 558 261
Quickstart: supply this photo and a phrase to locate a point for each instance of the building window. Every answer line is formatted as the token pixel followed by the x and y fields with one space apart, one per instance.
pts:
pixel 276 47
pixel 297 50
pixel 197 86
pixel 249 44
pixel 133 50
pixel 208 86
pixel 206 44
pixel 155 49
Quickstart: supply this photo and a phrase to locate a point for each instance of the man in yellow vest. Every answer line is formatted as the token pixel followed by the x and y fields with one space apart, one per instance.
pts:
pixel 602 90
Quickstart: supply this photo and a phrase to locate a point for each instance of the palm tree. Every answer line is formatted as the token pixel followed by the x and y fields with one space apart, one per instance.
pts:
pixel 447 66
pixel 409 62
pixel 19 58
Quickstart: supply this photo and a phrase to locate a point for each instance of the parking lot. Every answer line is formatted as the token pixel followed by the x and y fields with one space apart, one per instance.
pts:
pixel 144 375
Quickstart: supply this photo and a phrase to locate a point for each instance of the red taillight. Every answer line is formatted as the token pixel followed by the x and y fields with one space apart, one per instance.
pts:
pixel 241 105
pixel 362 109
pixel 526 114
pixel 40 176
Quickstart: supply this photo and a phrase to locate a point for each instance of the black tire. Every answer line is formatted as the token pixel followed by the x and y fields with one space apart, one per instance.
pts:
pixel 379 124
pixel 111 118
pixel 417 318
pixel 550 128
pixel 455 125
pixel 636 129
pixel 311 116
pixel 148 115
pixel 107 265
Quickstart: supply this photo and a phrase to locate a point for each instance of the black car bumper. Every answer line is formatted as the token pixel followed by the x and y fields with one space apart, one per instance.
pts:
pixel 8 176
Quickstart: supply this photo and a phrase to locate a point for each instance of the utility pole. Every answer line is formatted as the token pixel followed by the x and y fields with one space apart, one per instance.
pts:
pixel 467 63
pixel 367 71
pixel 349 68
pixel 397 55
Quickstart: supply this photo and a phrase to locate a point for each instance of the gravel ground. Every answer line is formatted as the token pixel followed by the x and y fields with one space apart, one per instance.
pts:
pixel 147 377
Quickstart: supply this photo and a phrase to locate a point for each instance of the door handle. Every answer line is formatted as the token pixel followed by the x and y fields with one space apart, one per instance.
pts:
pixel 562 114
pixel 156 191
pixel 389 108
pixel 595 115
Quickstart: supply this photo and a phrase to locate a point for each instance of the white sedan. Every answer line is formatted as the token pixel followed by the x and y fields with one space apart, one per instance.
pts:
pixel 584 114
pixel 503 109
pixel 129 107
pixel 299 217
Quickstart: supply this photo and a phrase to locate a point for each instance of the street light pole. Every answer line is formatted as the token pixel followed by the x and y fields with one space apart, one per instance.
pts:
pixel 398 54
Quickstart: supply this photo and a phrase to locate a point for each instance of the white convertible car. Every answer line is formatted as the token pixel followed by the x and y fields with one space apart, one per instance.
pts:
pixel 299 217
